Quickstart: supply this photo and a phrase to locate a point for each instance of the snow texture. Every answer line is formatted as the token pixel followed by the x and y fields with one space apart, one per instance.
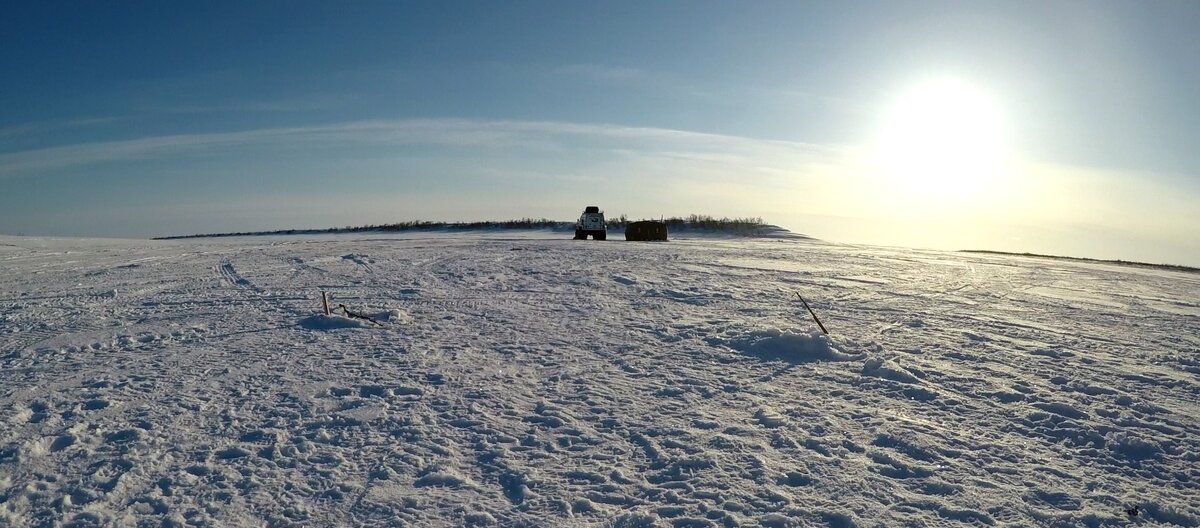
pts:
pixel 529 380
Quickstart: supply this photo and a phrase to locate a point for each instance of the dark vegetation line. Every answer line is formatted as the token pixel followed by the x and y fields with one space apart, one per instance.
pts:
pixel 1171 267
pixel 740 226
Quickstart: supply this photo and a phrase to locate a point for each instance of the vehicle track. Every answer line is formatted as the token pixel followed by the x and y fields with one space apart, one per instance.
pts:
pixel 230 275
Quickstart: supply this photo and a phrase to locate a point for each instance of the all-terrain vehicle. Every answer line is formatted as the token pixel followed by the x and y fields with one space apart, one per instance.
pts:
pixel 591 222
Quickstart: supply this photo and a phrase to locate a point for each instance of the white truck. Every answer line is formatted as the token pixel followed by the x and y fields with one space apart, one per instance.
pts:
pixel 591 222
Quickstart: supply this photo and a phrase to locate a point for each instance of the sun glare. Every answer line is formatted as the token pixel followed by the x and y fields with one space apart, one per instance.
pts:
pixel 941 140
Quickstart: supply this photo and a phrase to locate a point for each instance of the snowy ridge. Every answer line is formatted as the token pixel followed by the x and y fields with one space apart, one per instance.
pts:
pixel 536 381
pixel 1168 267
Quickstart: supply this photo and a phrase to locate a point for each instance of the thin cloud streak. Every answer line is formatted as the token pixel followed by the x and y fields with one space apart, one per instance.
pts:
pixel 41 127
pixel 607 73
pixel 304 104
pixel 431 132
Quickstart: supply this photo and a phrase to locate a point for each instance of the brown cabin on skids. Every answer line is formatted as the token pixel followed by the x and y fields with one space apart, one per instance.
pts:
pixel 646 230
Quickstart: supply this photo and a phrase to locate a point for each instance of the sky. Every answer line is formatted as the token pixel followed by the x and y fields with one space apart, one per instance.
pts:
pixel 1050 127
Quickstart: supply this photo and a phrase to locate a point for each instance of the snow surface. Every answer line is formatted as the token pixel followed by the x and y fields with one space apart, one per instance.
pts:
pixel 530 380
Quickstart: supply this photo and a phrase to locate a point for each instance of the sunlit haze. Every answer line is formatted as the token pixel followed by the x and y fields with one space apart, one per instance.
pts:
pixel 942 140
pixel 1063 128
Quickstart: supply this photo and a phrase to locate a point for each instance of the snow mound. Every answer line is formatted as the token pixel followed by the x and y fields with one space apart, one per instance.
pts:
pixel 397 316
pixel 1133 447
pixel 331 322
pixel 787 346
pixel 888 369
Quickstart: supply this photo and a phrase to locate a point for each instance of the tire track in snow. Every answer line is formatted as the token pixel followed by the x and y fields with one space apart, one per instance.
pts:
pixel 228 273
pixel 360 261
pixel 298 265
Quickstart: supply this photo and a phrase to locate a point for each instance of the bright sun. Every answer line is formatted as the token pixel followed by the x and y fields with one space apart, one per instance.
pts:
pixel 942 139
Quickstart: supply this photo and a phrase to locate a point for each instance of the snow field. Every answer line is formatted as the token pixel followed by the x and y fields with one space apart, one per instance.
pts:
pixel 534 381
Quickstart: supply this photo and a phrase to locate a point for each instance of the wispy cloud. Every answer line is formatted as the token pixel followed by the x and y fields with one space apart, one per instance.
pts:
pixel 545 165
pixel 605 72
pixel 299 104
pixel 452 133
pixel 41 127
pixel 810 99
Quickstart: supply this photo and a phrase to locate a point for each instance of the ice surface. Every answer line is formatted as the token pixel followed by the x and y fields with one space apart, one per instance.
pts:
pixel 530 380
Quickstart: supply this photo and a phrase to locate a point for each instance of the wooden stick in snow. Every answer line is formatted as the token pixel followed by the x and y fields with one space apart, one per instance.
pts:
pixel 356 316
pixel 811 312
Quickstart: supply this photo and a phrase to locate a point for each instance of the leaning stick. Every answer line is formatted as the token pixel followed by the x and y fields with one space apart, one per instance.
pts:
pixel 811 312
pixel 356 316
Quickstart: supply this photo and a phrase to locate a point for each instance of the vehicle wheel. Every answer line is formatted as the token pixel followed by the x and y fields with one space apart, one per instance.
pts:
pixel 580 235
pixel 600 236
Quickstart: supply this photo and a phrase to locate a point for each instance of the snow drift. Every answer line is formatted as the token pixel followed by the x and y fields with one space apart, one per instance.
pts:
pixel 788 346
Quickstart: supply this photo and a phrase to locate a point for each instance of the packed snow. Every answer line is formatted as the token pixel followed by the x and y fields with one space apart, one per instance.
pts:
pixel 529 380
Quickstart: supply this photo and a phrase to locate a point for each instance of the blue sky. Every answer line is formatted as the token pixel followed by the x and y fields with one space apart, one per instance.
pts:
pixel 138 119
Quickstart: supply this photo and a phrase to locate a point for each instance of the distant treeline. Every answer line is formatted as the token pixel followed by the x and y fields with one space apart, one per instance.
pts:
pixel 702 222
pixel 1171 267
pixel 742 226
